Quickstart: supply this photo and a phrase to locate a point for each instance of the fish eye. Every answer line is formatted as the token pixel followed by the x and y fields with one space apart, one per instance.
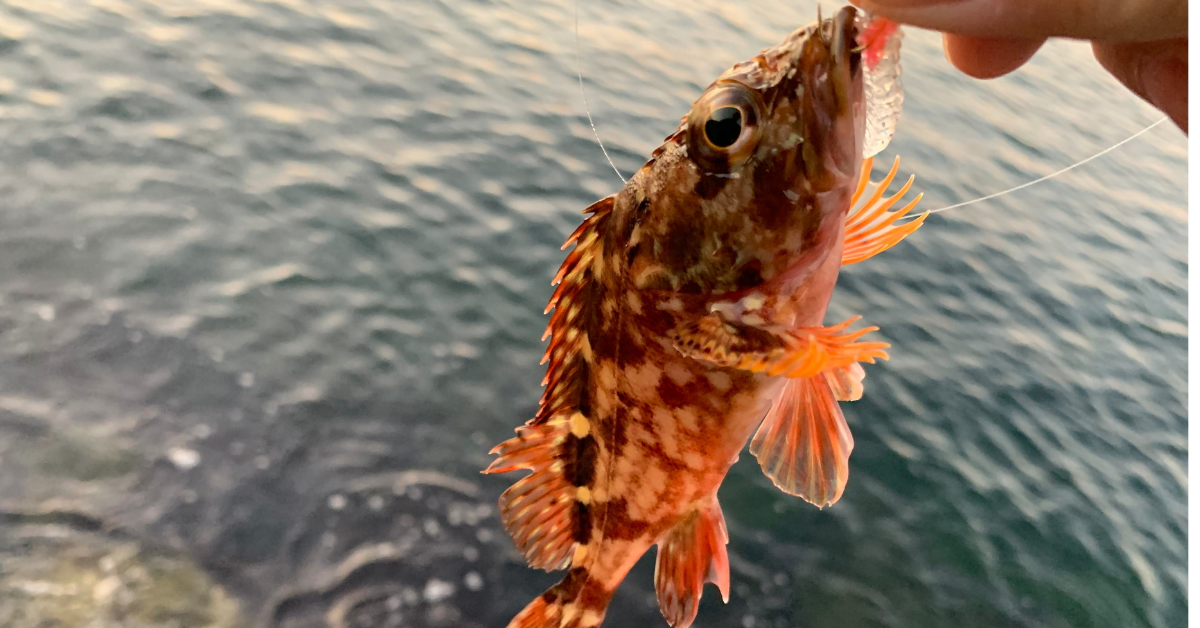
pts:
pixel 722 128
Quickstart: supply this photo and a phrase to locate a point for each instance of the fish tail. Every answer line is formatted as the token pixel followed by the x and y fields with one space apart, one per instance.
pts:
pixel 576 602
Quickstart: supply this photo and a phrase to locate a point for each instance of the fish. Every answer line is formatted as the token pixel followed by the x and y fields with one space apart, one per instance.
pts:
pixel 688 320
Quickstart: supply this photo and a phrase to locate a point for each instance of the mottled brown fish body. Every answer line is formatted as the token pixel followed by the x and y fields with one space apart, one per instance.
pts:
pixel 690 308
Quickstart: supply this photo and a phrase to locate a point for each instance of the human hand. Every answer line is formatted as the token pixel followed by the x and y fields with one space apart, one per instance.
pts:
pixel 1143 43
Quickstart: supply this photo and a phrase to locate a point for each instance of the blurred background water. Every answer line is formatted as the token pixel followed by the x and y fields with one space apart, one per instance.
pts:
pixel 271 283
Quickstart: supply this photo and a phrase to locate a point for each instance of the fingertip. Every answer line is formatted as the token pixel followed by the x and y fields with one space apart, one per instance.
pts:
pixel 1155 71
pixel 988 57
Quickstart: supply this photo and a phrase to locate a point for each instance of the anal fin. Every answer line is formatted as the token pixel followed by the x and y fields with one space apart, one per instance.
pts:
pixel 804 444
pixel 871 228
pixel 690 554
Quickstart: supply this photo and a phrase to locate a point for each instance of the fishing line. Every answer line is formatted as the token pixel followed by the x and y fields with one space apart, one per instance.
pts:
pixel 596 134
pixel 579 72
pixel 1039 180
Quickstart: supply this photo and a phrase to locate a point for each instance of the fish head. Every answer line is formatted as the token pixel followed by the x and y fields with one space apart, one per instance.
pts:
pixel 761 171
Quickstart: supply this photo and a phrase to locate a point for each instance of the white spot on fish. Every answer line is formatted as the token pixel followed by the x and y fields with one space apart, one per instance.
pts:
pixel 678 374
pixel 671 305
pixel 719 380
pixel 645 378
pixel 754 301
pixel 634 302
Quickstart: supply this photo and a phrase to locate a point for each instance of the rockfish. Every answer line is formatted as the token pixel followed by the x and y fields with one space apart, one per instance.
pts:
pixel 688 316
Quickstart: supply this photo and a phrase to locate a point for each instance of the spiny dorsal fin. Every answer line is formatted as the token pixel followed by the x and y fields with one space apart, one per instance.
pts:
pixel 566 377
pixel 546 512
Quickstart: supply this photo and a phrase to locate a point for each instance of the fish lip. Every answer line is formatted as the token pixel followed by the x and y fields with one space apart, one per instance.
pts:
pixel 843 43
pixel 837 105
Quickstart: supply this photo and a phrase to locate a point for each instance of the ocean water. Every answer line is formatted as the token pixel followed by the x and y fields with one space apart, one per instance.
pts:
pixel 271 284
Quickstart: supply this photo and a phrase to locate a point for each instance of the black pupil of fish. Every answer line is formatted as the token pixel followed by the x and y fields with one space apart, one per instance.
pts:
pixel 724 127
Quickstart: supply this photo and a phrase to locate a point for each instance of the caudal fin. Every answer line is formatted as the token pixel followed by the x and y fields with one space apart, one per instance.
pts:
pixel 576 602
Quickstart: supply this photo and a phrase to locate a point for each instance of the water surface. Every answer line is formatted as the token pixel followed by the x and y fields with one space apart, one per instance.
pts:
pixel 271 283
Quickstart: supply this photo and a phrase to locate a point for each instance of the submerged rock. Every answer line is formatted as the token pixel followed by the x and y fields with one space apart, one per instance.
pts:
pixel 54 574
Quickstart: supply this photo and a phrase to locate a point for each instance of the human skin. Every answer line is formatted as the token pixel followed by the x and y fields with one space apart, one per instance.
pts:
pixel 1143 43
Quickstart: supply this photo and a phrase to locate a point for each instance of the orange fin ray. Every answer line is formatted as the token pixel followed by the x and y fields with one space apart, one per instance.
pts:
pixel 864 176
pixel 800 352
pixel 804 443
pixel 871 228
pixel 536 510
pixel 690 554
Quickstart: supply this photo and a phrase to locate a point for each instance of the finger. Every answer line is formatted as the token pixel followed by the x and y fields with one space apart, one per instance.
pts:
pixel 985 57
pixel 1156 71
pixel 1106 20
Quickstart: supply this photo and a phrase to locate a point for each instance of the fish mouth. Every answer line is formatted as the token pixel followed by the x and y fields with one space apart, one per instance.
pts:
pixel 841 34
pixel 831 107
pixel 843 38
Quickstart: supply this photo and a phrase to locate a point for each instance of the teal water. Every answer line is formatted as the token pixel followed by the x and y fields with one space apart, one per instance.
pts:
pixel 260 259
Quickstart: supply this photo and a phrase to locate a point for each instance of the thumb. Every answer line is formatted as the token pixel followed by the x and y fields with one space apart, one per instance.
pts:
pixel 1105 20
pixel 1156 71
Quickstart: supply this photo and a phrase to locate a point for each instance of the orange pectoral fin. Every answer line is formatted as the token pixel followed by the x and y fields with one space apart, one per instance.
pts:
pixel 800 352
pixel 691 553
pixel 871 228
pixel 804 444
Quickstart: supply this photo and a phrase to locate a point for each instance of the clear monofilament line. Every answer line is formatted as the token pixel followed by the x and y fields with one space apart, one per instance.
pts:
pixel 1047 177
pixel 588 109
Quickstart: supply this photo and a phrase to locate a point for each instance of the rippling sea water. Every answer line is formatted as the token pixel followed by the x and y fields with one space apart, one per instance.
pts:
pixel 271 282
